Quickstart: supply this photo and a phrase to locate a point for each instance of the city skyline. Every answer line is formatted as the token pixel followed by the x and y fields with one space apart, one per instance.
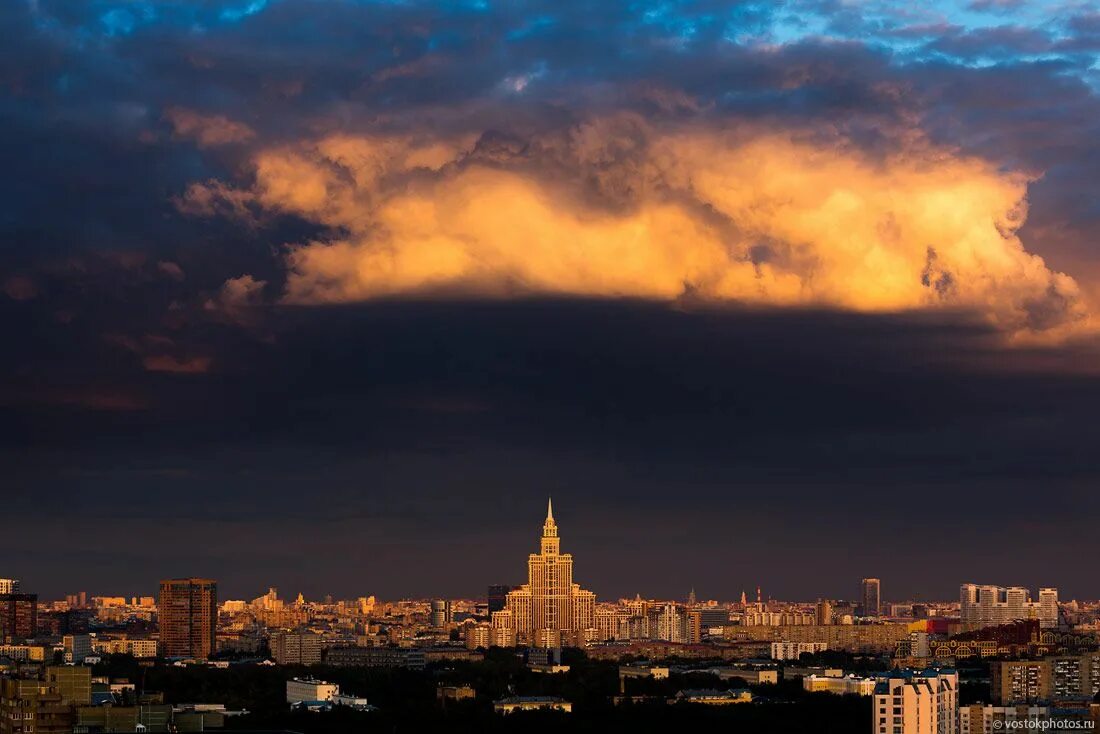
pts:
pixel 868 590
pixel 319 294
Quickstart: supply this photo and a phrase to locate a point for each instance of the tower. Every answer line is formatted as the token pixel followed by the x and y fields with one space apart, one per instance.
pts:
pixel 550 606
pixel 187 614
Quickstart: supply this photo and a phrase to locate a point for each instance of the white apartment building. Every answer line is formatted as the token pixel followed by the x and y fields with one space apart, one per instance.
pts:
pixel 984 605
pixel 917 702
pixel 300 690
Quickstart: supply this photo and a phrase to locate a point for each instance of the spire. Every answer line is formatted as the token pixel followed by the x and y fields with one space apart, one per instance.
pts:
pixel 550 509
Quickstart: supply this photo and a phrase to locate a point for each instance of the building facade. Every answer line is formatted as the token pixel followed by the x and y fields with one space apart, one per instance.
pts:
pixel 917 702
pixel 871 596
pixel 18 616
pixel 983 605
pixel 188 616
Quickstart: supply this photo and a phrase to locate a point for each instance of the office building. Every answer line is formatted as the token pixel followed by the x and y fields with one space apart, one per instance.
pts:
pixel 187 616
pixel 550 606
pixel 917 702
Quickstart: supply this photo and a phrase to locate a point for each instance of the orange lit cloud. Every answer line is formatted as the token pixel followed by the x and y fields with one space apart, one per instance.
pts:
pixel 616 208
pixel 207 130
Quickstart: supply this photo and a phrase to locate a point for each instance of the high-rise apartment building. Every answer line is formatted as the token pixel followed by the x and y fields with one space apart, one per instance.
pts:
pixel 188 616
pixel 871 596
pixel 550 606
pixel 18 616
pixel 296 648
pixel 917 702
pixel 9 586
pixel 986 605
pixel 1055 677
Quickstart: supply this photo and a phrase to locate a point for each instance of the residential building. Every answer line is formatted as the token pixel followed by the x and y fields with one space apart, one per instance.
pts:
pixel 983 605
pixel 871 596
pixel 296 648
pixel 984 718
pixel 18 616
pixel 187 616
pixel 917 702
pixel 139 648
pixel 793 650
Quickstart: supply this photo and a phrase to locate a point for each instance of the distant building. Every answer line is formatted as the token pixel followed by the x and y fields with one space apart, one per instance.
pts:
pixel 917 702
pixel 18 616
pixel 77 647
pixel 1056 677
pixel 713 697
pixel 296 648
pixel 187 617
pixel 991 605
pixel 793 650
pixel 498 596
pixel 848 684
pixel 871 596
pixel 446 693
pixel 478 635
pixel 305 690
pixel 9 586
pixel 441 614
pixel 983 718
pixel 137 648
pixel 376 657
pixel 531 703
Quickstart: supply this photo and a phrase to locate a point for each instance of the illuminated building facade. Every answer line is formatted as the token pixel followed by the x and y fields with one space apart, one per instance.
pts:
pixel 550 607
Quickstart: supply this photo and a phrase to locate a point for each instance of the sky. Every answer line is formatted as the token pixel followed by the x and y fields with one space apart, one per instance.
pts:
pixel 332 295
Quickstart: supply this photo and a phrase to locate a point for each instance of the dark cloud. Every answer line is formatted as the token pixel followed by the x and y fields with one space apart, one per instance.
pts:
pixel 368 427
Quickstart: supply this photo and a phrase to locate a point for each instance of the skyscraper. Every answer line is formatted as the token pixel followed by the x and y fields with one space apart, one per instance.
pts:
pixel 188 615
pixel 981 605
pixel 870 593
pixel 18 616
pixel 550 606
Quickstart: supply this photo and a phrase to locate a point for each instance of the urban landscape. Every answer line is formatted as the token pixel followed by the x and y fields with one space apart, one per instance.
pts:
pixel 485 366
pixel 187 660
